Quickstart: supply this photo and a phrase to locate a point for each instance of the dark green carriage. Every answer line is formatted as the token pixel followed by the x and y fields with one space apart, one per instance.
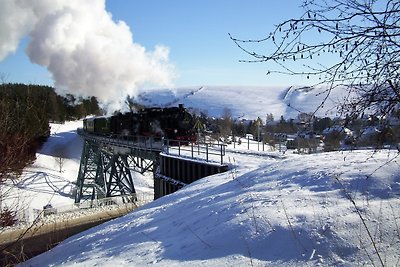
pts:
pixel 102 125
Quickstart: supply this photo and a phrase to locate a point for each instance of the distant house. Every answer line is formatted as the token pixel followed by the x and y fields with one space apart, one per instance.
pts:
pixel 338 129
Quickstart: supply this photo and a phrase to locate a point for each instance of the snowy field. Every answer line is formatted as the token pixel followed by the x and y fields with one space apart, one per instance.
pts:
pixel 269 209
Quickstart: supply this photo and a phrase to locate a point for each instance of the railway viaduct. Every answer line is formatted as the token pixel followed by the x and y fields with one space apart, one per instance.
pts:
pixel 106 165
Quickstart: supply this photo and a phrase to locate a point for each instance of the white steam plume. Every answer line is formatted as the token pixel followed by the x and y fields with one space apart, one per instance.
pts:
pixel 86 52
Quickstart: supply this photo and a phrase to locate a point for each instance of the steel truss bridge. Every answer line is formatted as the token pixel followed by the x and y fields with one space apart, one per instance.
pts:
pixel 106 165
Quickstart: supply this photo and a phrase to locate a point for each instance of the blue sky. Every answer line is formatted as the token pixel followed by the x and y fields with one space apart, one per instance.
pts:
pixel 196 33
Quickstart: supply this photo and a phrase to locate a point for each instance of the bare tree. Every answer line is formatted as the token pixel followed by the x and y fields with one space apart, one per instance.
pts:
pixel 60 155
pixel 60 162
pixel 226 124
pixel 361 39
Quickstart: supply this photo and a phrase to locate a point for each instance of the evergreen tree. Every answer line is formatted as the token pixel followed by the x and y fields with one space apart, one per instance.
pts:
pixel 25 112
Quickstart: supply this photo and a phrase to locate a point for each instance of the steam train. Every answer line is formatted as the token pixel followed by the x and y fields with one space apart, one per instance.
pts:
pixel 174 123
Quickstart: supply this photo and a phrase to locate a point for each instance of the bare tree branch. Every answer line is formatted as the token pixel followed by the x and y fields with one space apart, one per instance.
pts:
pixel 361 39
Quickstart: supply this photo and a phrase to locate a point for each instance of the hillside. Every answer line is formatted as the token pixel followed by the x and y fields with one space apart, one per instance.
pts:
pixel 253 101
pixel 269 209
pixel 51 178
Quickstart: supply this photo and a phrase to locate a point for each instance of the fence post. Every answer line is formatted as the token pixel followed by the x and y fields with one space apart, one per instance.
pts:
pixel 222 157
pixel 207 152
pixel 167 145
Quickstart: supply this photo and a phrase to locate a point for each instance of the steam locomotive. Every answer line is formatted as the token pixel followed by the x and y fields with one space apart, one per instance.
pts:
pixel 174 123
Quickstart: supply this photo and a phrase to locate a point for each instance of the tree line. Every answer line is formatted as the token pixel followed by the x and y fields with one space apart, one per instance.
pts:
pixel 25 114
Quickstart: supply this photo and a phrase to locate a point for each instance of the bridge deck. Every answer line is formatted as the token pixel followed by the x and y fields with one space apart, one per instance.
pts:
pixel 148 143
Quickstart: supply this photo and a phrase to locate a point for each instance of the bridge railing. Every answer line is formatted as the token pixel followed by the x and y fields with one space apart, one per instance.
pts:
pixel 152 143
pixel 209 152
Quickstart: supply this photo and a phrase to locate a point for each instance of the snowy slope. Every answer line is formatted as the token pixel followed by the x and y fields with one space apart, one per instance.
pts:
pixel 278 211
pixel 43 183
pixel 246 102
pixel 51 179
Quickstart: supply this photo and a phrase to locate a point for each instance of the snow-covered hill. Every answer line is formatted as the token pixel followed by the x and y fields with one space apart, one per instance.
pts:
pixel 247 102
pixel 279 211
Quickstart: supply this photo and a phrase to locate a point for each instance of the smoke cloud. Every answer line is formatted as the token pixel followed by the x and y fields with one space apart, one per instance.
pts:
pixel 86 52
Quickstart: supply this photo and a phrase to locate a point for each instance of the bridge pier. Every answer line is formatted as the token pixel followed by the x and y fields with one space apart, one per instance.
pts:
pixel 103 173
pixel 90 175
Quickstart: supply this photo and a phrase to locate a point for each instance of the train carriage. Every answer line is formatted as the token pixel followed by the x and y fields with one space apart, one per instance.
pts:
pixel 98 125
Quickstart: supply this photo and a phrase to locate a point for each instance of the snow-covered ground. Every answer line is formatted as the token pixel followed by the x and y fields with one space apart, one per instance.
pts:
pixel 267 210
pixel 270 209
pixel 51 179
pixel 43 183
